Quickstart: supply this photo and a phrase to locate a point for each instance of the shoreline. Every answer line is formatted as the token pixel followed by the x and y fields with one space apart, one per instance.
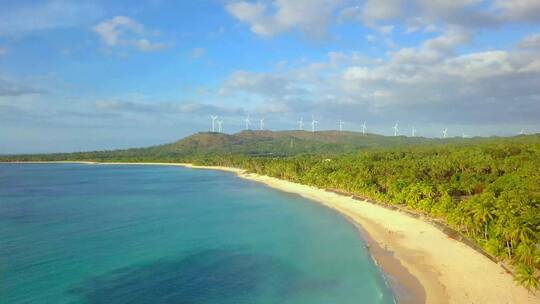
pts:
pixel 420 262
pixel 423 264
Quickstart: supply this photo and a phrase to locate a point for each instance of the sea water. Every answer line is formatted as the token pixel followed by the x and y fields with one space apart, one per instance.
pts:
pixel 75 233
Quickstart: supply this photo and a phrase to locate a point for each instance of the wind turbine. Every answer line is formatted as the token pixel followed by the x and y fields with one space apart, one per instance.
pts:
pixel 214 117
pixel 301 124
pixel 463 135
pixel 396 130
pixel 220 123
pixel 247 122
pixel 522 132
pixel 413 132
pixel 364 128
pixel 341 123
pixel 313 123
pixel 261 123
pixel 445 133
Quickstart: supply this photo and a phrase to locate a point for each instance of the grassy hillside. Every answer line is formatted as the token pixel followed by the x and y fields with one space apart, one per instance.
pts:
pixel 255 144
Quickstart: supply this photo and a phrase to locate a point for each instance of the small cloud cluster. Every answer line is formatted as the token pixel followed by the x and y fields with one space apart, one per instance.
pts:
pixel 518 10
pixel 531 42
pixel 374 10
pixel 309 16
pixel 425 15
pixel 197 53
pixel 32 16
pixel 164 108
pixel 263 84
pixel 121 31
pixel 13 89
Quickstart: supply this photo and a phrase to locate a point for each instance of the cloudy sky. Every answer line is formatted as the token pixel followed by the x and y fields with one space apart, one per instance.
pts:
pixel 86 75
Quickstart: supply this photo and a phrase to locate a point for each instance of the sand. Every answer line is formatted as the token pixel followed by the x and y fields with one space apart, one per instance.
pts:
pixel 422 263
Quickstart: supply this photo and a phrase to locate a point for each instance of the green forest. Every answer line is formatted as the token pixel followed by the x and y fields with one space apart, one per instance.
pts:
pixel 487 189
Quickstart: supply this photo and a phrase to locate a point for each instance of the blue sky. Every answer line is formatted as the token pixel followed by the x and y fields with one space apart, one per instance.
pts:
pixel 90 75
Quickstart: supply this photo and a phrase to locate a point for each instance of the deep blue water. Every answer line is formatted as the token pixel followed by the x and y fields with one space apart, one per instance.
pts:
pixel 72 233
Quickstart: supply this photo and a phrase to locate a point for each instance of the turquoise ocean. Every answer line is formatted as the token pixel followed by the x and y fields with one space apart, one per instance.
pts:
pixel 75 233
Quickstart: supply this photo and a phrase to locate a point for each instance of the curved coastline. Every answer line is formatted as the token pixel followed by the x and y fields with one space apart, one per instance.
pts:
pixel 421 263
pixel 447 270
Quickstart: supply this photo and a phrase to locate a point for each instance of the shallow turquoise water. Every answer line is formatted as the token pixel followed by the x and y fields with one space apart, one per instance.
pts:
pixel 73 233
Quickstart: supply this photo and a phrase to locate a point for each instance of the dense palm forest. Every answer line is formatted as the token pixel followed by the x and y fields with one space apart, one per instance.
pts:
pixel 487 189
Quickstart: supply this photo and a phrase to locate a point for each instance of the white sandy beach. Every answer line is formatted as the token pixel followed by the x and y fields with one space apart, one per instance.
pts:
pixel 447 270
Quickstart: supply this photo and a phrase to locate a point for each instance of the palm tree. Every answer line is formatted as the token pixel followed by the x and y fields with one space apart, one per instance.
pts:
pixel 506 228
pixel 415 195
pixel 525 253
pixel 483 214
pixel 526 276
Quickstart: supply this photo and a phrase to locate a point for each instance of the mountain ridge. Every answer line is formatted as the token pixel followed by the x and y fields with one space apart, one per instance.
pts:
pixel 262 143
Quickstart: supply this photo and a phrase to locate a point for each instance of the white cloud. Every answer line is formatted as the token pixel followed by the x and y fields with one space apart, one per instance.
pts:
pixel 423 15
pixel 262 84
pixel 448 41
pixel 10 88
pixel 45 15
pixel 124 31
pixel 531 41
pixel 423 82
pixel 386 29
pixel 145 45
pixel 485 86
pixel 432 50
pixel 162 108
pixel 314 17
pixel 481 65
pixel 273 107
pixel 345 58
pixel 375 10
pixel 111 30
pixel 532 67
pixel 254 14
pixel 416 56
pixel 518 10
pixel 309 16
pixel 415 24
pixel 197 53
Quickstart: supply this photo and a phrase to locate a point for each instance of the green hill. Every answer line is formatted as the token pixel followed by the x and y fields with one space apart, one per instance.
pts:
pixel 259 144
